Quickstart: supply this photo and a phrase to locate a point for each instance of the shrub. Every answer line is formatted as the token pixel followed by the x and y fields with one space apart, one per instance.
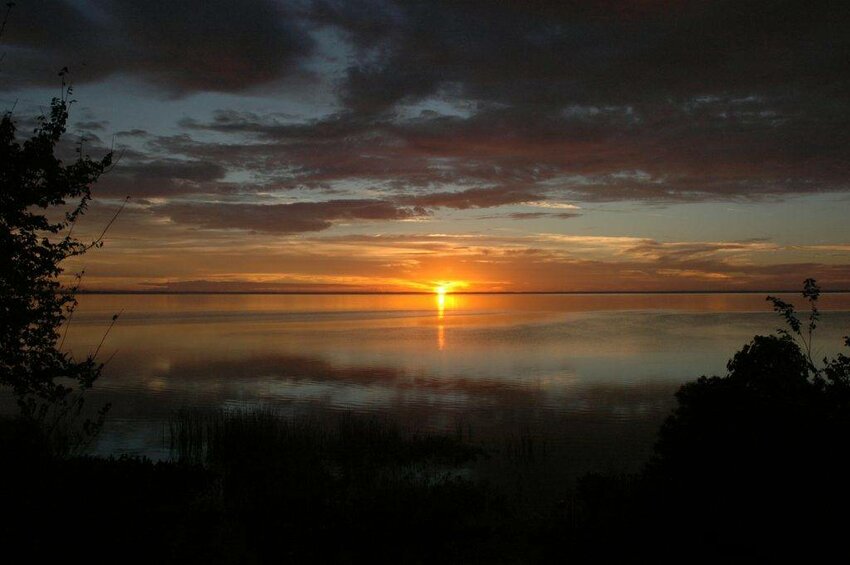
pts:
pixel 42 199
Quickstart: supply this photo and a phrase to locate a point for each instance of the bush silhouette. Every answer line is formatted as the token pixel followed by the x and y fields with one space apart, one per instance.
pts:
pixel 756 460
pixel 41 200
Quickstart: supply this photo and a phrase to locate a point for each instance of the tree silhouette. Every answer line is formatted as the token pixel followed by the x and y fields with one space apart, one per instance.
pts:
pixel 42 198
pixel 756 460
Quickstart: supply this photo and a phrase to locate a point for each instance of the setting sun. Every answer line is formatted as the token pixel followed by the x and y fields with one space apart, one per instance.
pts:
pixel 441 288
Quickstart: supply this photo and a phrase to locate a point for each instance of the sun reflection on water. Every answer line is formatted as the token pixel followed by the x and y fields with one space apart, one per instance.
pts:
pixel 440 293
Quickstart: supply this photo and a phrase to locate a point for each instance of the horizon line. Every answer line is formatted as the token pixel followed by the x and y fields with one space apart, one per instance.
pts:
pixel 426 293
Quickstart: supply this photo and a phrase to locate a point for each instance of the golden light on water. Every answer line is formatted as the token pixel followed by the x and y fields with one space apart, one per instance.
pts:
pixel 440 290
pixel 441 301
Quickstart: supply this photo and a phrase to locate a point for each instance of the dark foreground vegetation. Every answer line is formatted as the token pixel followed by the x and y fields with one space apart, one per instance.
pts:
pixel 752 465
pixel 250 487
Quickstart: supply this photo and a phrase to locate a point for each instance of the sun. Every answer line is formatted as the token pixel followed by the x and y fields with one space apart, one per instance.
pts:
pixel 440 292
pixel 444 287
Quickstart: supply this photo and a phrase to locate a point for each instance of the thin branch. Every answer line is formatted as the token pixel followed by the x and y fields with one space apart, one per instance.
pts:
pixel 9 6
pixel 105 363
pixel 106 333
pixel 115 160
pixel 73 309
pixel 99 238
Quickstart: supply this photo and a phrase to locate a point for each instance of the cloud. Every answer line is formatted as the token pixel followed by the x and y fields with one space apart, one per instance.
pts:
pixel 285 218
pixel 540 54
pixel 161 177
pixel 673 155
pixel 525 109
pixel 471 198
pixel 706 100
pixel 606 100
pixel 244 248
pixel 191 45
pixel 91 125
pixel 536 215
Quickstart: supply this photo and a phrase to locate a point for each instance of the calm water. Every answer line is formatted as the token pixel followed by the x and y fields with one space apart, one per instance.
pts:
pixel 594 374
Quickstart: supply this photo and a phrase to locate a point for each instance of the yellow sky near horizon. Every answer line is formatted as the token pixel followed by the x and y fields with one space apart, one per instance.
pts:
pixel 144 253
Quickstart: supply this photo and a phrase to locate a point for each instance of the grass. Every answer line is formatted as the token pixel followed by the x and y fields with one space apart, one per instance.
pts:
pixel 254 486
pixel 218 438
pixel 325 488
pixel 344 487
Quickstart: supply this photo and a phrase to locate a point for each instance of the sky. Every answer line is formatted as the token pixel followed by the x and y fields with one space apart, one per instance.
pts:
pixel 598 145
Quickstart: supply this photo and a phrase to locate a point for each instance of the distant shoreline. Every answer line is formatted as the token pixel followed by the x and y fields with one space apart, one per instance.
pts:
pixel 428 293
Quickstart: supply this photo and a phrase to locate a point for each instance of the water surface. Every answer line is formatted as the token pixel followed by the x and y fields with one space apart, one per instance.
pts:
pixel 594 374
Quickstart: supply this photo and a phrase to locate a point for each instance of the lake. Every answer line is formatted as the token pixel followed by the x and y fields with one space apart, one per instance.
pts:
pixel 593 375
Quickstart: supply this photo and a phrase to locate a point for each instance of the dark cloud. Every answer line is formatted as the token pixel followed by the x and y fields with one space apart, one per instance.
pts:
pixel 543 54
pixel 242 287
pixel 91 125
pixel 703 99
pixel 184 46
pixel 473 198
pixel 285 218
pixel 707 148
pixel 165 177
pixel 136 132
pixel 481 104
pixel 537 215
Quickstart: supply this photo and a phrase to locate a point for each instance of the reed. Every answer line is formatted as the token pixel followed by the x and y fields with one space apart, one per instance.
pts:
pixel 220 437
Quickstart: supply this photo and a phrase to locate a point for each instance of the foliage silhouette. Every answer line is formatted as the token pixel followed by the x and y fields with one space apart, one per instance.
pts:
pixel 41 201
pixel 750 465
pixel 758 455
